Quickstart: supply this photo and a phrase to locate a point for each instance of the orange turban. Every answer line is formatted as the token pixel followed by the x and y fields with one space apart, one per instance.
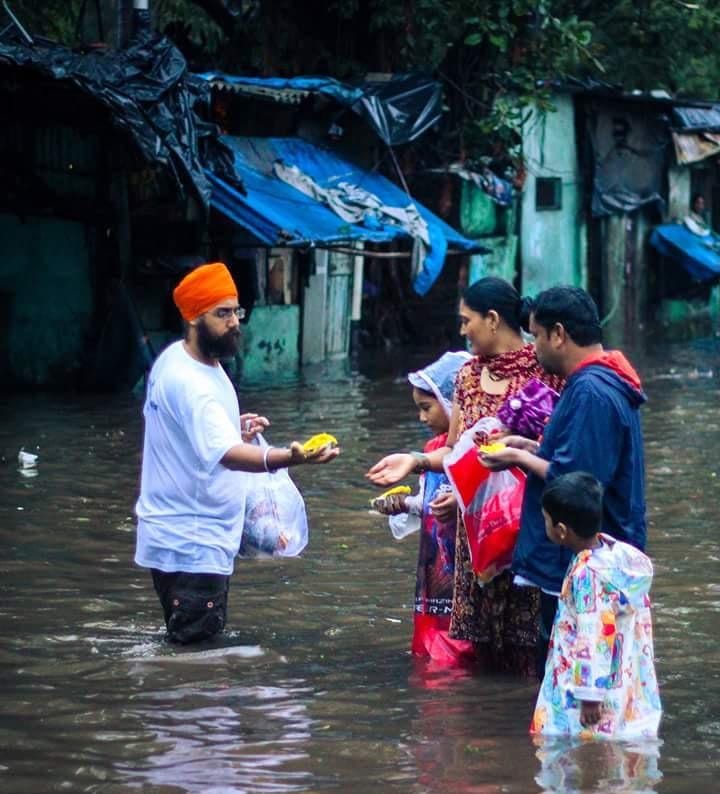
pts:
pixel 202 289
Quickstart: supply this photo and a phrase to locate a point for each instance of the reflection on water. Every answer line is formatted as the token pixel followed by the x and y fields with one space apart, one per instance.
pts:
pixel 598 766
pixel 216 737
pixel 312 688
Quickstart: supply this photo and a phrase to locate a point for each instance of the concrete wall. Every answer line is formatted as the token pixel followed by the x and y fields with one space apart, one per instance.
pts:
pixel 678 192
pixel 270 345
pixel 314 310
pixel 339 299
pixel 553 246
pixel 326 315
pixel 45 284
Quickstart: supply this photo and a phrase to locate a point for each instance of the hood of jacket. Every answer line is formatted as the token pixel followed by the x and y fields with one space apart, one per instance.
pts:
pixel 616 371
pixel 626 569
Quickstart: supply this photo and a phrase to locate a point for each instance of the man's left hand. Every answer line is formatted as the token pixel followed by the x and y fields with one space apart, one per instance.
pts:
pixel 501 460
pixel 251 425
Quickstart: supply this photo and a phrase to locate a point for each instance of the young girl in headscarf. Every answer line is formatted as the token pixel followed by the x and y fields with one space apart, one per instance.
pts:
pixel 433 389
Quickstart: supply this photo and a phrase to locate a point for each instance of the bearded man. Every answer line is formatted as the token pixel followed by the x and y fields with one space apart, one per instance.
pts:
pixel 198 460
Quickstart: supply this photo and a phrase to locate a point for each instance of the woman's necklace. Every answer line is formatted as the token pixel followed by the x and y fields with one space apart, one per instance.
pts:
pixel 493 384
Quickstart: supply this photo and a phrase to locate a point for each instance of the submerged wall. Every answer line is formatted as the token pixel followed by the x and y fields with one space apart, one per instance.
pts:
pixel 46 300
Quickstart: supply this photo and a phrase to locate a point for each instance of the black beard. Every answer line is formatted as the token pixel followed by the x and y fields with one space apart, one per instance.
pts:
pixel 225 346
pixel 550 368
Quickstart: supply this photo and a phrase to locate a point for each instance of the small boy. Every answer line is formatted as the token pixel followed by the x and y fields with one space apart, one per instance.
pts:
pixel 600 675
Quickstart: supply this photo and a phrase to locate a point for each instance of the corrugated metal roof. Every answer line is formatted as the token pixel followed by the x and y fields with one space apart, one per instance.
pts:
pixel 696 119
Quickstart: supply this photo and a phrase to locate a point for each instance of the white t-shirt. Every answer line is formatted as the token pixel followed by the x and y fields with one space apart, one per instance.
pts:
pixel 191 508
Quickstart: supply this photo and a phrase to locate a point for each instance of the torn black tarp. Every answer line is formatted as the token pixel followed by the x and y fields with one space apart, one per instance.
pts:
pixel 402 108
pixel 399 107
pixel 150 94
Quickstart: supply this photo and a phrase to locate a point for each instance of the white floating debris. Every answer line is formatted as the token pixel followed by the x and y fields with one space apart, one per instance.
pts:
pixel 26 460
pixel 214 655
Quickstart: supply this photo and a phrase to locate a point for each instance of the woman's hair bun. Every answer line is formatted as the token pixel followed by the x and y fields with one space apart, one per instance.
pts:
pixel 526 308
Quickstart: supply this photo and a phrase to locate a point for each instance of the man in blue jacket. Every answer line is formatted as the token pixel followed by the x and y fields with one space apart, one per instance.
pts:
pixel 594 428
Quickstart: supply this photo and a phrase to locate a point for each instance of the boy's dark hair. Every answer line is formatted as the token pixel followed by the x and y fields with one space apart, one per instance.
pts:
pixel 575 499
pixel 574 309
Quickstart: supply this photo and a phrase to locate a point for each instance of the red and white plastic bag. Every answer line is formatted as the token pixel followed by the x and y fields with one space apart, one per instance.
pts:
pixel 490 502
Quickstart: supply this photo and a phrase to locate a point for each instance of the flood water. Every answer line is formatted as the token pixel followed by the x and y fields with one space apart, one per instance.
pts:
pixel 312 688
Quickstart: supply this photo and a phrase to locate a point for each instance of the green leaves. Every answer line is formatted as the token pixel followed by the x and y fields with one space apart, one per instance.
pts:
pixel 497 55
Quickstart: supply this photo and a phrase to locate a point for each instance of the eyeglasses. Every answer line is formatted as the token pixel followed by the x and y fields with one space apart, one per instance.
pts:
pixel 225 313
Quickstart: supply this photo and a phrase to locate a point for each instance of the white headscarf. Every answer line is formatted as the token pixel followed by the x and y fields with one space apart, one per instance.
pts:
pixel 439 377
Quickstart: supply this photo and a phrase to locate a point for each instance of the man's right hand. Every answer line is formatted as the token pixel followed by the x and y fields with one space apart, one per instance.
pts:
pixel 391 469
pixel 520 442
pixel 323 455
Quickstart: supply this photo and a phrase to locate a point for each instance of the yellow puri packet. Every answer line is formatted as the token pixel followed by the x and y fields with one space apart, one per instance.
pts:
pixel 491 449
pixel 398 490
pixel 318 442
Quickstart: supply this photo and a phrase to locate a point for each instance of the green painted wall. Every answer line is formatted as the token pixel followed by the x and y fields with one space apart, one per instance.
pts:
pixel 270 345
pixel 478 212
pixel 481 218
pixel 500 261
pixel 46 297
pixel 552 242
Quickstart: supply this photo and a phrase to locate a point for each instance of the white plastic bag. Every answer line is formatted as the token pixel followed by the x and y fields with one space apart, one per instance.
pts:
pixel 275 517
pixel 404 524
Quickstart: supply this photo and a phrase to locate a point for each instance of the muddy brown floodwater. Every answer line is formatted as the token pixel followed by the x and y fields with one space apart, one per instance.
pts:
pixel 312 687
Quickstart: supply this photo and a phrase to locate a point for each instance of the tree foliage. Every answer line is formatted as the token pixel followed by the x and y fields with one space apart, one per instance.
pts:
pixel 496 56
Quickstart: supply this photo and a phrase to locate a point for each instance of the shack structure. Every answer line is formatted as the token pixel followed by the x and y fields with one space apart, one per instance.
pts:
pixel 609 183
pixel 316 207
pixel 102 157
pixel 118 182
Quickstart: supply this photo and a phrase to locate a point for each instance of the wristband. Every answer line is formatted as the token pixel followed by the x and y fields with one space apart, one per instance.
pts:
pixel 422 462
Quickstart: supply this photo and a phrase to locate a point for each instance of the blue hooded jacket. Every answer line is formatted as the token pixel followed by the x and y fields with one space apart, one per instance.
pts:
pixel 595 427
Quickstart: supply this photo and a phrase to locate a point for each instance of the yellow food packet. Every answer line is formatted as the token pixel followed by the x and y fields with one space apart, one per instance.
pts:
pixel 318 442
pixel 491 449
pixel 398 490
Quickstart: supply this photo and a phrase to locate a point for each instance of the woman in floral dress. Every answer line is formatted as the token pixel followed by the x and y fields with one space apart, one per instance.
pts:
pixel 501 617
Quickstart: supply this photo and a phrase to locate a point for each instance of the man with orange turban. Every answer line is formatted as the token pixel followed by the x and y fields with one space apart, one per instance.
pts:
pixel 196 454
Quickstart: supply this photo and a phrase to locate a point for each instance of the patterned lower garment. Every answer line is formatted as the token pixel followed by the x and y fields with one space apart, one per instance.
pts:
pixel 501 619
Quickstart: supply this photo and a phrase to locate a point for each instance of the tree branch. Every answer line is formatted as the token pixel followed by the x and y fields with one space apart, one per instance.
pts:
pixel 220 14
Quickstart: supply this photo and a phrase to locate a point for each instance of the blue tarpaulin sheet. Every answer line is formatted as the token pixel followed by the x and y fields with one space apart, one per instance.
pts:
pixel 700 256
pixel 277 214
